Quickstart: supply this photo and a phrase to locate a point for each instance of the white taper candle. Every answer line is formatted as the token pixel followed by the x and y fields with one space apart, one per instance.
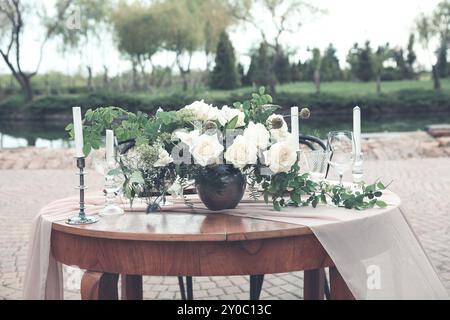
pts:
pixel 78 129
pixel 109 146
pixel 357 130
pixel 295 127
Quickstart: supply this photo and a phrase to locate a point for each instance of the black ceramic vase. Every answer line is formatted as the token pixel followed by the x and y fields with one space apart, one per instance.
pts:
pixel 220 187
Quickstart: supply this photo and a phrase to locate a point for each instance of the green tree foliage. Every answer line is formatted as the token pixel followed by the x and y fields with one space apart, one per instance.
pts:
pixel 183 32
pixel 216 17
pixel 251 73
pixel 263 74
pixel 436 27
pixel 379 57
pixel 442 64
pixel 411 57
pixel 139 33
pixel 225 74
pixel 352 60
pixel 330 69
pixel 365 69
pixel 282 67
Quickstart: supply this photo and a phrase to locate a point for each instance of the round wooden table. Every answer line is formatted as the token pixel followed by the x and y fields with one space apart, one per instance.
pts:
pixel 187 244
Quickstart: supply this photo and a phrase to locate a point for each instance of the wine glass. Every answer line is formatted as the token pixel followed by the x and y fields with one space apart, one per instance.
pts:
pixel 341 146
pixel 316 162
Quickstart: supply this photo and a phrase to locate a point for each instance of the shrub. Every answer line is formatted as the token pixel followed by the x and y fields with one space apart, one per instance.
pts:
pixel 402 102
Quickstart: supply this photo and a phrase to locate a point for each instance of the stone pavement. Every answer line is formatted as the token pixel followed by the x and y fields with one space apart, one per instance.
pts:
pixel 423 184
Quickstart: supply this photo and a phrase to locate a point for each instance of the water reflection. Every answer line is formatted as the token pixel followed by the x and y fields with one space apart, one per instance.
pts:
pixel 8 141
pixel 16 134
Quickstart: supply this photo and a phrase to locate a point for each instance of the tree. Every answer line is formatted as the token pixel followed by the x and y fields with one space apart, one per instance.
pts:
pixel 380 56
pixel 251 72
pixel 352 60
pixel 242 76
pixel 90 28
pixel 316 64
pixel 282 16
pixel 365 70
pixel 296 72
pixel 139 34
pixel 411 56
pixel 225 74
pixel 12 26
pixel 263 74
pixel 442 63
pixel 217 19
pixel 330 69
pixel 282 67
pixel 435 27
pixel 183 33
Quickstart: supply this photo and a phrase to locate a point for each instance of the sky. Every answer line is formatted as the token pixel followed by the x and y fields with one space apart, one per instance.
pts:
pixel 344 23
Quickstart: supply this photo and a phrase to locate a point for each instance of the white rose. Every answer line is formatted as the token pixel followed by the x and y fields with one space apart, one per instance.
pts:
pixel 207 150
pixel 281 157
pixel 188 138
pixel 280 135
pixel 163 159
pixel 227 114
pixel 203 111
pixel 259 134
pixel 241 152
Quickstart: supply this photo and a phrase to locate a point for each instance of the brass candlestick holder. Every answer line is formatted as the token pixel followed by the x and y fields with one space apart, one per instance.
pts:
pixel 82 218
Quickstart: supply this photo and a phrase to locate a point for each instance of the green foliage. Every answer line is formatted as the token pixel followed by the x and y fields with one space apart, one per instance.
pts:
pixel 262 74
pixel 225 74
pixel 138 29
pixel 330 69
pixel 293 189
pixel 258 109
pixel 282 67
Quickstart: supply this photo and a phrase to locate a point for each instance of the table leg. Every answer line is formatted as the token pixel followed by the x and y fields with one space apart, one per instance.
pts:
pixel 131 287
pixel 339 289
pixel 313 284
pixel 99 286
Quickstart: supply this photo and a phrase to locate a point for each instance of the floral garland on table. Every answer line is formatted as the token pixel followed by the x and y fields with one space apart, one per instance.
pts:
pixel 172 148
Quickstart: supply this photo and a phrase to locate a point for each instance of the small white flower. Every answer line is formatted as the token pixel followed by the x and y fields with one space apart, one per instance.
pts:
pixel 227 114
pixel 259 134
pixel 207 150
pixel 164 159
pixel 241 152
pixel 281 157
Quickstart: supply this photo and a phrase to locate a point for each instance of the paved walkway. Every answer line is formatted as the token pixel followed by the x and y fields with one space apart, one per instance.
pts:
pixel 423 184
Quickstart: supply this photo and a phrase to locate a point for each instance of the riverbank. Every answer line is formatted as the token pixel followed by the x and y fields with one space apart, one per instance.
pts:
pixel 380 146
pixel 405 98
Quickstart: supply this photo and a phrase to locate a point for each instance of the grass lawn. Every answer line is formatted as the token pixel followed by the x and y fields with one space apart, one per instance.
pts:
pixel 344 88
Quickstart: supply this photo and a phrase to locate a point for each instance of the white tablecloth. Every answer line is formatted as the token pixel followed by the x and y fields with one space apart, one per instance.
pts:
pixel 375 250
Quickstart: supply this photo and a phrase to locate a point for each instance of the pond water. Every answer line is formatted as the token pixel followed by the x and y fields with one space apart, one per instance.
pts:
pixel 52 134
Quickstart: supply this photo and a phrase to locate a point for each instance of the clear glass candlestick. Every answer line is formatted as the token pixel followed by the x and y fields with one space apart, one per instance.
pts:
pixel 357 172
pixel 113 185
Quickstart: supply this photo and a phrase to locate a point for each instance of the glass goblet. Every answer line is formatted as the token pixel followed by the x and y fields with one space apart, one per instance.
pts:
pixel 341 146
pixel 316 163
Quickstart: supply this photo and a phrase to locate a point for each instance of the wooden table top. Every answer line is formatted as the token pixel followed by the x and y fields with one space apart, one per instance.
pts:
pixel 181 224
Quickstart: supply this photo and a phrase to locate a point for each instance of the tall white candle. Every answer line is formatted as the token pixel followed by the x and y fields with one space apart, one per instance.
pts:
pixel 109 146
pixel 295 127
pixel 357 130
pixel 78 129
